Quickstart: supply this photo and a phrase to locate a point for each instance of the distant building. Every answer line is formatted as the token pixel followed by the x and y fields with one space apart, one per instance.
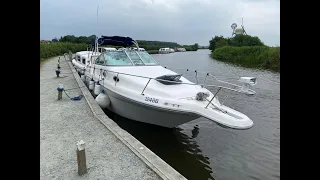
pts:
pixel 239 31
pixel 180 49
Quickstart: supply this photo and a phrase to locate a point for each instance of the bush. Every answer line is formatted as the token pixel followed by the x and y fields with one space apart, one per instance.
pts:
pixel 59 48
pixel 245 40
pixel 238 40
pixel 250 56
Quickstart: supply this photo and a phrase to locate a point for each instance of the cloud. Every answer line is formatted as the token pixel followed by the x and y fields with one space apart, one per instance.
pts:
pixel 181 21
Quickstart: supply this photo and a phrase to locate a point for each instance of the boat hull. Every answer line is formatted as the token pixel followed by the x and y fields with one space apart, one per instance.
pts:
pixel 137 111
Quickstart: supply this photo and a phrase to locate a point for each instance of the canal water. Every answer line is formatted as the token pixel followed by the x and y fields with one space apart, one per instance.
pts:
pixel 203 150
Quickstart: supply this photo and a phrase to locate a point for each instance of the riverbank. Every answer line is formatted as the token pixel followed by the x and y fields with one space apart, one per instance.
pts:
pixel 153 51
pixel 260 57
pixel 48 51
pixel 111 152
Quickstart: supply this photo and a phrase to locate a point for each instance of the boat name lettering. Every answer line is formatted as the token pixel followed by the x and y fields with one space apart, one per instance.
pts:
pixel 170 104
pixel 153 100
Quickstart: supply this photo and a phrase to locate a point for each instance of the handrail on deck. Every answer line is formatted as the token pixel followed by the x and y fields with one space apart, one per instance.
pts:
pixel 150 78
pixel 202 85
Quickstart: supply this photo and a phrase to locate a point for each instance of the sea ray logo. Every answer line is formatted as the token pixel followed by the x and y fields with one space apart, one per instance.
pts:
pixel 173 105
pixel 100 41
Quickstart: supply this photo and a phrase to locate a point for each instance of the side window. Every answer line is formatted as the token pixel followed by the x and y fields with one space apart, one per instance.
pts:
pixel 97 60
pixel 83 60
pixel 100 60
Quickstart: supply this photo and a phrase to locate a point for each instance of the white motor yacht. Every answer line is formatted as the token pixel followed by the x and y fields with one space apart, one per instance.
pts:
pixel 140 89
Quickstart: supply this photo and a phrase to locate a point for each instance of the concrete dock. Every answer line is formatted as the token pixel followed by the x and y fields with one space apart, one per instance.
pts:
pixel 111 152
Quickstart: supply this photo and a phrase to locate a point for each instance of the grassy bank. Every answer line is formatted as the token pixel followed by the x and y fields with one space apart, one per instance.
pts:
pixel 263 57
pixel 59 48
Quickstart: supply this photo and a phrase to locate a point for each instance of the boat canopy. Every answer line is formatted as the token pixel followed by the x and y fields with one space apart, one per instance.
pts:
pixel 115 41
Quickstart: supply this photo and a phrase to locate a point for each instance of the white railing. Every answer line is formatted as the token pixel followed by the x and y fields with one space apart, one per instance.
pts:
pixel 240 89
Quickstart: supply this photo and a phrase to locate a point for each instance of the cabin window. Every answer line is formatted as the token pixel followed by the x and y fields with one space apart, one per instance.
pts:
pixel 116 58
pixel 83 60
pixel 78 58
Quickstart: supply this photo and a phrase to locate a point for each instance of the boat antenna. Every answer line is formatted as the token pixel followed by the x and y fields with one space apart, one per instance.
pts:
pixel 97 29
pixel 95 43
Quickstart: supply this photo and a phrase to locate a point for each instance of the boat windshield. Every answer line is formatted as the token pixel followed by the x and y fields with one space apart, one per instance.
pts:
pixel 115 58
pixel 125 58
pixel 135 57
pixel 146 58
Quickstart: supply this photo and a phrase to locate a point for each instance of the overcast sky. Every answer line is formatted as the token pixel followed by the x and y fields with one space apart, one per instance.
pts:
pixel 181 21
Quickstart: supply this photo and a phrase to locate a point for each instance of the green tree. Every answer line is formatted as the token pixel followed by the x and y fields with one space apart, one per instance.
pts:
pixel 55 40
pixel 158 43
pixel 218 41
pixel 245 40
pixel 80 39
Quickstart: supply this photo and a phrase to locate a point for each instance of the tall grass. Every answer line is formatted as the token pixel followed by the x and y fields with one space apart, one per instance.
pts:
pixel 250 56
pixel 59 48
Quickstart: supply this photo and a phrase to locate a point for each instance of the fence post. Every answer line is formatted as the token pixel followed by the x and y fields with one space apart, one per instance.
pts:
pixel 81 158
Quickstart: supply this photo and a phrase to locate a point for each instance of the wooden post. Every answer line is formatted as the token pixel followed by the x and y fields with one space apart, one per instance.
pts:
pixel 81 158
pixel 59 95
pixel 60 89
pixel 70 56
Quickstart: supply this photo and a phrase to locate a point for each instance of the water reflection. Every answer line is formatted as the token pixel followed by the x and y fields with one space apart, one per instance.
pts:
pixel 172 145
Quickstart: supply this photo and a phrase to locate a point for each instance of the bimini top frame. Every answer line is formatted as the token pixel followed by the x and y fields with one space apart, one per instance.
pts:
pixel 114 41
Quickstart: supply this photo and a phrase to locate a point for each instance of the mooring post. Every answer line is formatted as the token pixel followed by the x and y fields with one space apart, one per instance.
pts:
pixel 57 72
pixel 81 158
pixel 58 64
pixel 70 56
pixel 60 89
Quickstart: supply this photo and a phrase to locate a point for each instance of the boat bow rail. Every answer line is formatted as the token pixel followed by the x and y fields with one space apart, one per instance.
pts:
pixel 235 88
pixel 175 80
pixel 227 117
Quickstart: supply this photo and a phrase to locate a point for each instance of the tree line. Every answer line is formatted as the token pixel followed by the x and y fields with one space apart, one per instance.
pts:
pixel 238 41
pixel 148 45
